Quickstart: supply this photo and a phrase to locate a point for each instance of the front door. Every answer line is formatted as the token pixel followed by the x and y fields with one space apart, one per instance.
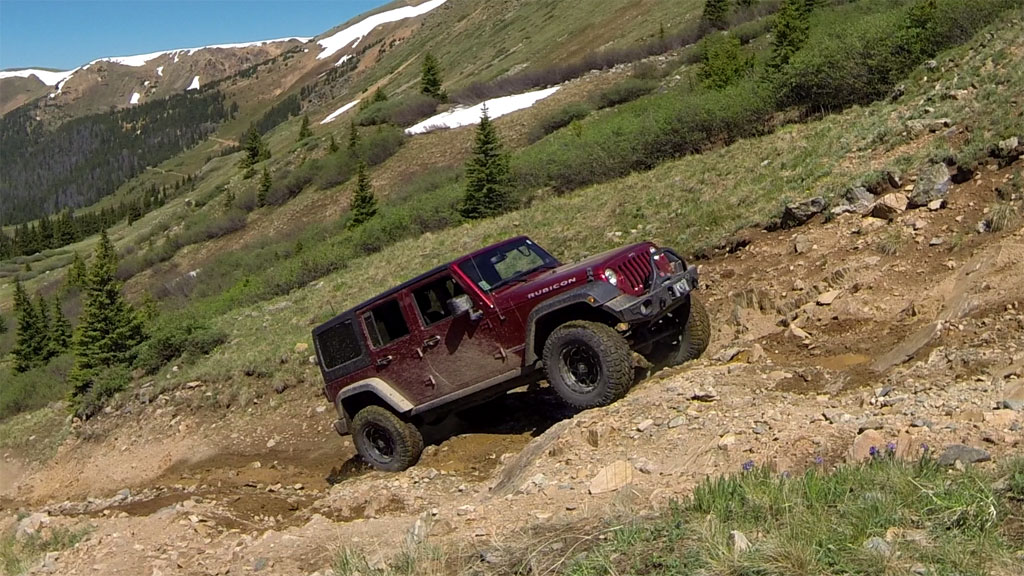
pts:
pixel 459 351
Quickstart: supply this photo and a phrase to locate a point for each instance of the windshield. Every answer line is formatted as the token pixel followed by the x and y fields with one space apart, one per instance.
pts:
pixel 506 264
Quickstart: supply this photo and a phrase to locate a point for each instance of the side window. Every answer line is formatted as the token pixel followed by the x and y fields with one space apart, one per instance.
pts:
pixel 385 323
pixel 432 299
pixel 338 345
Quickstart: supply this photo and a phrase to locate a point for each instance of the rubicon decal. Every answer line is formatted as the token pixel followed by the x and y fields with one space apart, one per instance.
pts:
pixel 551 288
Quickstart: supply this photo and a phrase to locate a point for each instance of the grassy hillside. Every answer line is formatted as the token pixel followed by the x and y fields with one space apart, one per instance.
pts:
pixel 212 254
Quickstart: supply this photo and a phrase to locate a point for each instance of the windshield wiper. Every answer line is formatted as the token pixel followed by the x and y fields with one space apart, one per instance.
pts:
pixel 521 276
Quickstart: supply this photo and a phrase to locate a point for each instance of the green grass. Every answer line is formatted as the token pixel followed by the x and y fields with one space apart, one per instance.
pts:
pixel 818 523
pixel 37 434
pixel 687 204
pixel 17 556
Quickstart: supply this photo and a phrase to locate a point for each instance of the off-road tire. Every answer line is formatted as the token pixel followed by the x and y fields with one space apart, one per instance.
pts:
pixel 384 440
pixel 691 341
pixel 602 348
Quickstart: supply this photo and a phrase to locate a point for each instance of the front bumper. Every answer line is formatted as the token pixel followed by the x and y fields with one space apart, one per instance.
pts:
pixel 666 293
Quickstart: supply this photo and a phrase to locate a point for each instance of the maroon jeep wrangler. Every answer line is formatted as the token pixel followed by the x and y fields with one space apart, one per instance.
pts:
pixel 501 317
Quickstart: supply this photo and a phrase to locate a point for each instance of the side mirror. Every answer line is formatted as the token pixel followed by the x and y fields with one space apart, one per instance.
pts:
pixel 462 304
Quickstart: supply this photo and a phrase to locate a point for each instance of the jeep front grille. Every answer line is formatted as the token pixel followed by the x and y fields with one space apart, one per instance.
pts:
pixel 635 274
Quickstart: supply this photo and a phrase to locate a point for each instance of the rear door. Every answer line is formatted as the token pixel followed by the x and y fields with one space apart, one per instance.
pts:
pixel 459 352
pixel 394 348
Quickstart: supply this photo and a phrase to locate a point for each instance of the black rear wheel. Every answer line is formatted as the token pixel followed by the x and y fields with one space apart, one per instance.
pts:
pixel 384 440
pixel 588 364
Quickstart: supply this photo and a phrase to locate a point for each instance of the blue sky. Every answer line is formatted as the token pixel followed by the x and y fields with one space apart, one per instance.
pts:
pixel 65 34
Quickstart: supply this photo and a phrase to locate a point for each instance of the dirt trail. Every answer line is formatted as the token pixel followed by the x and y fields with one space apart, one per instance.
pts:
pixel 810 348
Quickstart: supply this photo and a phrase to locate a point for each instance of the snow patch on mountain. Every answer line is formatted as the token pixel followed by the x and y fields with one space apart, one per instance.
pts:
pixel 159 70
pixel 353 34
pixel 194 85
pixel 135 98
pixel 339 112
pixel 496 107
pixel 48 77
pixel 141 59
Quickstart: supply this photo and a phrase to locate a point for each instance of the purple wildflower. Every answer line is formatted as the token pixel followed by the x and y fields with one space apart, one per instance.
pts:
pixel 924 447
pixel 873 451
pixel 748 465
pixel 819 460
pixel 891 447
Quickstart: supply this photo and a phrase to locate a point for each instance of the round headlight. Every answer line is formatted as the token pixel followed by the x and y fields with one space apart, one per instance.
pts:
pixel 611 276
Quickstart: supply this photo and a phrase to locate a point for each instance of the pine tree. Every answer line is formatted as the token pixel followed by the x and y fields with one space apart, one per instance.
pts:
pixel 255 149
pixel 715 13
pixel 108 329
pixel 45 328
pixel 488 178
pixel 229 199
pixel 378 96
pixel 353 137
pixel 29 344
pixel 364 204
pixel 264 191
pixel 430 81
pixel 76 272
pixel 60 331
pixel 332 146
pixel 304 131
pixel 789 31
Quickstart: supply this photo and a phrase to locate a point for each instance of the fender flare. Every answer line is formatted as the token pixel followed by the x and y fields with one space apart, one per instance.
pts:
pixel 596 294
pixel 379 388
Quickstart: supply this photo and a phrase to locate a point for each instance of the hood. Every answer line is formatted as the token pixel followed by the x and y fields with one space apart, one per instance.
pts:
pixel 546 283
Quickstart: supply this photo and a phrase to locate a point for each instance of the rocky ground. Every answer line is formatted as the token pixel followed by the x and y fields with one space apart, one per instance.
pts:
pixel 881 328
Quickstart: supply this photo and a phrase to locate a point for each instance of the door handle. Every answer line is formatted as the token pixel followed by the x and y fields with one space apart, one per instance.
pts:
pixel 384 361
pixel 432 341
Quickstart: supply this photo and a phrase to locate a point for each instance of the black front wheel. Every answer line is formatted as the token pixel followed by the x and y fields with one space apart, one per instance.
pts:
pixel 384 440
pixel 588 364
pixel 694 333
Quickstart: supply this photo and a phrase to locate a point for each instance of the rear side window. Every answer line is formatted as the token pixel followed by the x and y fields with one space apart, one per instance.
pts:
pixel 338 345
pixel 432 299
pixel 385 323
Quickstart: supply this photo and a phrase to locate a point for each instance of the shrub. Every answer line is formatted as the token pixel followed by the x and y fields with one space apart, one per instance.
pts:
pixel 561 118
pixel 404 111
pixel 35 388
pixel 644 133
pixel 99 385
pixel 722 61
pixel 175 335
pixel 289 184
pixel 624 91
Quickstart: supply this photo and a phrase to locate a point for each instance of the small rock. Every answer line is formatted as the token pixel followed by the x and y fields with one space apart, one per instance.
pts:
pixel 1008 147
pixel 727 355
pixel 727 441
pixel 677 422
pixel 760 429
pixel 798 213
pixel 869 425
pixel 937 241
pixel 964 454
pixel 890 206
pixel 895 179
pixel 933 183
pixel 301 347
pixel 802 244
pixel 878 546
pixel 643 426
pixel 828 298
pixel 464 510
pixel 1013 397
pixel 796 331
pixel 271 443
pixel 612 477
pixel 260 564
pixel 926 125
pixel 739 542
pixel 864 443
pixel 936 205
pixel 193 384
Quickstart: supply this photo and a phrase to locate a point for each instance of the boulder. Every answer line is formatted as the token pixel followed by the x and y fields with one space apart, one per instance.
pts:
pixel 866 445
pixel 895 179
pixel 857 195
pixel 933 183
pixel 964 454
pixel 1008 147
pixel 890 206
pixel 799 213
